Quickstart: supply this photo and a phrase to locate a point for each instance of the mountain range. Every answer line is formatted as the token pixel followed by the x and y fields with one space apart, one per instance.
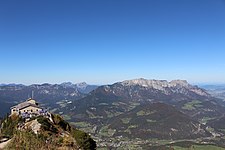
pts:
pixel 177 93
pixel 141 110
pixel 136 113
pixel 47 94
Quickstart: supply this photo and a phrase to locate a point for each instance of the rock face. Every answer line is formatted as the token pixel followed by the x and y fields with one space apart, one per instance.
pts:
pixel 4 144
pixel 176 86
pixel 34 125
pixel 156 84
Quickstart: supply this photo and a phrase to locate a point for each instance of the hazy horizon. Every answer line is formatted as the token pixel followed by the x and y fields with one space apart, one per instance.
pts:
pixel 103 42
pixel 99 83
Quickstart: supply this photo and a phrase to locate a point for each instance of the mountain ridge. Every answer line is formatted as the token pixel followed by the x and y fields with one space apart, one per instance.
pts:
pixel 48 94
pixel 99 108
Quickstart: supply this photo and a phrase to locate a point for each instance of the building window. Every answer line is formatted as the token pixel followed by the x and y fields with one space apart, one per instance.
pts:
pixel 31 110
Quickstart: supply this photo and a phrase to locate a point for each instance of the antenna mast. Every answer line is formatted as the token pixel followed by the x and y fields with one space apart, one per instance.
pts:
pixel 32 95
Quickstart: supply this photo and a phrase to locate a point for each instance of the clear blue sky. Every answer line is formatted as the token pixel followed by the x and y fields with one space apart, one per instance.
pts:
pixel 104 41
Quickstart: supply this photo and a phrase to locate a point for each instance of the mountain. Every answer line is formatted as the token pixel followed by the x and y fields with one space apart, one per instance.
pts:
pixel 43 132
pixel 192 100
pixel 82 87
pixel 217 123
pixel 157 120
pixel 52 95
pixel 11 84
pixel 117 111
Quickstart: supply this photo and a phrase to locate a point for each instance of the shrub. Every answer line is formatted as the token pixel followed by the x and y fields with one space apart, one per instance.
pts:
pixel 46 125
pixel 84 140
pixel 9 124
pixel 25 140
pixel 62 123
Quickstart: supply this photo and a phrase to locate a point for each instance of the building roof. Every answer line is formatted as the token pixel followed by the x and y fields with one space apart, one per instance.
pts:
pixel 24 105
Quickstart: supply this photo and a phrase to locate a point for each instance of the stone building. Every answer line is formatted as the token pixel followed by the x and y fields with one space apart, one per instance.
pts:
pixel 30 106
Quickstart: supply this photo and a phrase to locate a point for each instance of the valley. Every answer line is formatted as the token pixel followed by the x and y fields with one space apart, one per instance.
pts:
pixel 141 113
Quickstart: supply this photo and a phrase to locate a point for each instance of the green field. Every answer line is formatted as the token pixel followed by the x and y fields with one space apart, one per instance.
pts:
pixel 81 124
pixel 192 105
pixel 144 113
pixel 66 117
pixel 125 120
pixel 106 131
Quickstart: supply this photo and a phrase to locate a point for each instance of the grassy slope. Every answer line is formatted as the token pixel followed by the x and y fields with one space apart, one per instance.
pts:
pixel 49 137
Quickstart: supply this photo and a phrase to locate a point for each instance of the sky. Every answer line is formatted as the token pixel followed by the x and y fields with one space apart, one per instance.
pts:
pixel 105 41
